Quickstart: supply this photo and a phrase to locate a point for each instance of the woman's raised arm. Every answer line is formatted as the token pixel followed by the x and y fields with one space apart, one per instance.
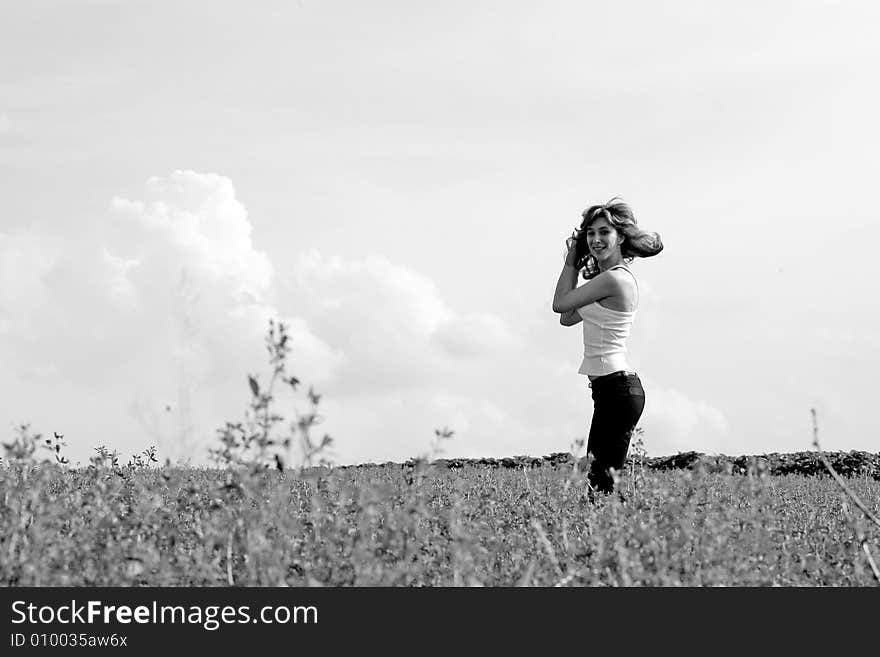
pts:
pixel 570 318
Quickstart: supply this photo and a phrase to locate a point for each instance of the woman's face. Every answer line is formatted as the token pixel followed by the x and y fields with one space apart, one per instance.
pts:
pixel 603 240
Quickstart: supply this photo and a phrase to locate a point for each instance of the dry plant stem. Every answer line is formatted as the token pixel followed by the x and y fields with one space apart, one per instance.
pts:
pixel 229 579
pixel 837 477
pixel 846 489
pixel 528 483
pixel 871 561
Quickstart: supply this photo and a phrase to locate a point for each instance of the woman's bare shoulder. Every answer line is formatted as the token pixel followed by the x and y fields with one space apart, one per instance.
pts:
pixel 627 290
pixel 622 276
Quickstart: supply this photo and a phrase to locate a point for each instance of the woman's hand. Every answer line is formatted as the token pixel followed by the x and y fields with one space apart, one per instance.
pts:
pixel 571 245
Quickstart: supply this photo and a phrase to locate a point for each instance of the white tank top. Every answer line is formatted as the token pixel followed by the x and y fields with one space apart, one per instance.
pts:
pixel 605 334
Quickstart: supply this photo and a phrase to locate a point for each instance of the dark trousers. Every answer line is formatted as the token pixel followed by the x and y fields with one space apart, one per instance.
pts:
pixel 618 402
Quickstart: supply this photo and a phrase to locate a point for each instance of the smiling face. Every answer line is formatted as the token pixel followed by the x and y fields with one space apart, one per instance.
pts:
pixel 603 241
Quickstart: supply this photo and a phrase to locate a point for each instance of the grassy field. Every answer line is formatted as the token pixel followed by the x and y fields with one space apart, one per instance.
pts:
pixel 687 520
pixel 416 526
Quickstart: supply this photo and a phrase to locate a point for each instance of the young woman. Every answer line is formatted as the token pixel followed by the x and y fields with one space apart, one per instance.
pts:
pixel 606 241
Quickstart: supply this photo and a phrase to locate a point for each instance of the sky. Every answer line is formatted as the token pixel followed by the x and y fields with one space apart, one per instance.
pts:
pixel 395 180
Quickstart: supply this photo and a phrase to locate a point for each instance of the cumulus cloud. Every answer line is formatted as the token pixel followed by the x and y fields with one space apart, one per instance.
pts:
pixel 143 329
pixel 400 425
pixel 197 219
pixel 164 308
pixel 396 331
pixel 160 309
pixel 675 422
pixel 413 363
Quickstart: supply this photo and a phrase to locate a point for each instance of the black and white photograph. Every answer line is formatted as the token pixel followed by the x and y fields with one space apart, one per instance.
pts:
pixel 339 294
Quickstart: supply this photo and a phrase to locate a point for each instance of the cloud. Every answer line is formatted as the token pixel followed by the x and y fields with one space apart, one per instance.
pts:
pixel 5 124
pixel 197 218
pixel 413 364
pixel 165 305
pixel 475 335
pixel 675 422
pixel 160 310
pixel 395 329
pixel 401 304
pixel 142 329
pixel 400 425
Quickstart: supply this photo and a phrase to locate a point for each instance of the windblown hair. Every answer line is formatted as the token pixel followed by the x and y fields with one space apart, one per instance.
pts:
pixel 636 243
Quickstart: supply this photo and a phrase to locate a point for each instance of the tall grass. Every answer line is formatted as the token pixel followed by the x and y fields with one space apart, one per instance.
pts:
pixel 255 520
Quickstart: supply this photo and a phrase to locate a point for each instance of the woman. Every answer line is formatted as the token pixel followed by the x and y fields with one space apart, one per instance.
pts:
pixel 606 241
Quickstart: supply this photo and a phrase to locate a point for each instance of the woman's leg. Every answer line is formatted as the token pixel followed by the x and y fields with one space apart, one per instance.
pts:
pixel 617 407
